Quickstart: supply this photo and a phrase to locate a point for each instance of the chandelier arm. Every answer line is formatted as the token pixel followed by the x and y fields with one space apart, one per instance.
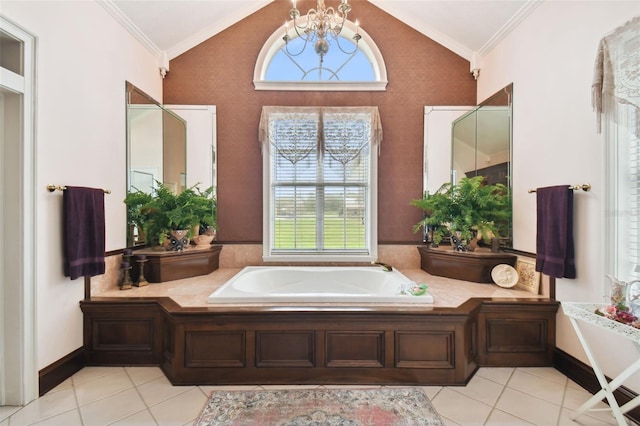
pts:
pixel 319 24
pixel 347 52
pixel 310 17
pixel 304 46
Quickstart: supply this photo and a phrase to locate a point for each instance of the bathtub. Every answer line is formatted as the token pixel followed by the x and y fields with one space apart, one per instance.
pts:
pixel 317 284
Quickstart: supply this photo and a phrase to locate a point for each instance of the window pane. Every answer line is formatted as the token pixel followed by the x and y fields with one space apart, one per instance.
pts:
pixel 298 62
pixel 295 217
pixel 344 218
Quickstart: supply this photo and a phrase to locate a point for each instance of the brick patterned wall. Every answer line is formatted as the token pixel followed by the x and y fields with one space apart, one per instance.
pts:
pixel 219 72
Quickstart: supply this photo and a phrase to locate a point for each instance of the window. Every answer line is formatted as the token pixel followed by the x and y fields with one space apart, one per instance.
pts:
pixel 362 70
pixel 299 61
pixel 624 199
pixel 320 174
pixel 617 103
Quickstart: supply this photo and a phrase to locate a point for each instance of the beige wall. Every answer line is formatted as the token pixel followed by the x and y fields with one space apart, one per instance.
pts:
pixel 550 60
pixel 220 72
pixel 83 57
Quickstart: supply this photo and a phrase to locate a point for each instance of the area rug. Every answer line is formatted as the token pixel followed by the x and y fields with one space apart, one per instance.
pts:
pixel 344 407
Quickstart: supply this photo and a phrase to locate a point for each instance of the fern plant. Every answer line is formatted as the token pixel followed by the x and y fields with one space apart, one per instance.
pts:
pixel 466 208
pixel 164 211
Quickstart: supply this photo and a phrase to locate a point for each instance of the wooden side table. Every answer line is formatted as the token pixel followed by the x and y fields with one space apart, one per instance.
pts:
pixel 585 312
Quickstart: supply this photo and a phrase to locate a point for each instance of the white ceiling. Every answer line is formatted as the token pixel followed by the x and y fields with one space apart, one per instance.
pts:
pixel 470 28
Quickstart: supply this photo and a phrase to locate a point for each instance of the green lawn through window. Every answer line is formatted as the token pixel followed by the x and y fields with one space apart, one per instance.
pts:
pixel 339 233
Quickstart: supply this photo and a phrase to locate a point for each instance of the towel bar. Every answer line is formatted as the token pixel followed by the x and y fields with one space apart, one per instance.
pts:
pixel 585 187
pixel 52 188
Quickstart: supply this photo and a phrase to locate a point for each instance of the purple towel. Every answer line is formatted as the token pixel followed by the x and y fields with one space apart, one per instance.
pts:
pixel 84 231
pixel 554 239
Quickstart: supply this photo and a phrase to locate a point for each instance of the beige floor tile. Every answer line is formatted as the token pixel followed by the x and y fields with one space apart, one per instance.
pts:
pixel 547 373
pixel 141 375
pixel 4 422
pixel 141 418
pixel 449 422
pixel 102 387
pixel 49 405
pixel 448 403
pixel 500 418
pixel 64 385
pixel 88 374
pixel 499 375
pixel 527 407
pixel 431 391
pixel 159 390
pixel 112 408
pixel 481 389
pixel 572 384
pixel 586 419
pixel 574 398
pixel 180 409
pixel 548 390
pixel 70 418
pixel 7 410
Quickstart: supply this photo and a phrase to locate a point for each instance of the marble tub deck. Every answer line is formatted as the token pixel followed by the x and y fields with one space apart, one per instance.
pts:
pixel 193 292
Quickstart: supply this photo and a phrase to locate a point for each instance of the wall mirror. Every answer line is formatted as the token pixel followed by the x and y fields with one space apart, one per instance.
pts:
pixel 481 143
pixel 156 148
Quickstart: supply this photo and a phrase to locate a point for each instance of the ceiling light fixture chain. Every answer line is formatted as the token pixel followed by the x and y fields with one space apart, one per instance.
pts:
pixel 319 24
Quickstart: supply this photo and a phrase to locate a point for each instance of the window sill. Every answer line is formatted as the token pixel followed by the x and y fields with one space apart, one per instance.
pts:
pixel 335 86
pixel 319 258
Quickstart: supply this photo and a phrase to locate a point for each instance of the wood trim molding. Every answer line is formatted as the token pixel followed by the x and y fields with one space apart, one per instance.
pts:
pixel 583 375
pixel 56 373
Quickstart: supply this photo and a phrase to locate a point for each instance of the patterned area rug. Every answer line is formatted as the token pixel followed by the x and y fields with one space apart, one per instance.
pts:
pixel 344 407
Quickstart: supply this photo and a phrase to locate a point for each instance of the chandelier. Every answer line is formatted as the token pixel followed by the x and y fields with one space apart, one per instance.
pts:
pixel 318 25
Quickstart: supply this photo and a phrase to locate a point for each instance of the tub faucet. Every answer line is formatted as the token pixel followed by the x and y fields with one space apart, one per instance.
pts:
pixel 385 267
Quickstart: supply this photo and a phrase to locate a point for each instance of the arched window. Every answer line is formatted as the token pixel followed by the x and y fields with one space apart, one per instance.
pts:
pixel 298 67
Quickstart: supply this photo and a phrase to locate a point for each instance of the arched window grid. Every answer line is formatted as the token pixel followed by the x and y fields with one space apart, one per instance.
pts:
pixel 366 45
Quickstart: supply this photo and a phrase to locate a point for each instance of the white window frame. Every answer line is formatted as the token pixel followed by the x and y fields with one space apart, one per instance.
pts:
pixel 366 44
pixel 305 255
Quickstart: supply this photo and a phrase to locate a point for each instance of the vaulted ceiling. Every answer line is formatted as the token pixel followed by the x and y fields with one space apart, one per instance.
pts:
pixel 469 28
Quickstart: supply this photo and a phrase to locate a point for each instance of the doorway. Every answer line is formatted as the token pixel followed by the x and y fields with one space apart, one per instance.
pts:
pixel 18 367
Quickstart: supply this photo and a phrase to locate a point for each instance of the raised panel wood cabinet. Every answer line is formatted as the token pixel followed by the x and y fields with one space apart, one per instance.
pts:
pixel 439 346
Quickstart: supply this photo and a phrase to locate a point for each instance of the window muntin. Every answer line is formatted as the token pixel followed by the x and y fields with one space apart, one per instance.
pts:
pixel 350 80
pixel 299 61
pixel 320 183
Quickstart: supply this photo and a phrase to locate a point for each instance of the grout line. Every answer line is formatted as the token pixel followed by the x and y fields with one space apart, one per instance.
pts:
pixel 504 386
pixel 75 397
pixel 135 386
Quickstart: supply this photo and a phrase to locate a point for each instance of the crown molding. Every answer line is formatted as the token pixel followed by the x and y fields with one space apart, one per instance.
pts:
pixel 435 35
pixel 123 20
pixel 506 29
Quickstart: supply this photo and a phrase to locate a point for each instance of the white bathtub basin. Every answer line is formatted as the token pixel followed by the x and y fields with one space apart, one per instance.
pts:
pixel 309 284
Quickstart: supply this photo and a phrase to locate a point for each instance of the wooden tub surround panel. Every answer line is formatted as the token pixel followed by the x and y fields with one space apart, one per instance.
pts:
pixel 473 266
pixel 258 345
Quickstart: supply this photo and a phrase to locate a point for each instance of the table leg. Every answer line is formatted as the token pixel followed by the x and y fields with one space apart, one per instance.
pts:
pixel 606 387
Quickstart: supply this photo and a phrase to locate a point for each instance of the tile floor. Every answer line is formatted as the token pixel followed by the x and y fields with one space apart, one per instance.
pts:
pixel 143 396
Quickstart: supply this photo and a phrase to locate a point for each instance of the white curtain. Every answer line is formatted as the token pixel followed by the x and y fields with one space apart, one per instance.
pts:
pixel 616 82
pixel 305 129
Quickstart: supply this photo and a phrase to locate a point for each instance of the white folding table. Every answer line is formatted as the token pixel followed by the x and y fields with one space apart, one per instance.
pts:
pixel 586 312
